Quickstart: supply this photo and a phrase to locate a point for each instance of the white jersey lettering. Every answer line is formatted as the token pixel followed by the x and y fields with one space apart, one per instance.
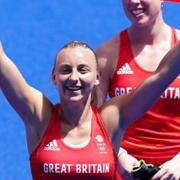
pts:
pixel 57 168
pixel 79 168
pixel 169 93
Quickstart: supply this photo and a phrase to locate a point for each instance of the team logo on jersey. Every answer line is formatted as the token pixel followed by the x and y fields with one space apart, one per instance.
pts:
pixel 52 146
pixel 99 138
pixel 101 145
pixel 125 69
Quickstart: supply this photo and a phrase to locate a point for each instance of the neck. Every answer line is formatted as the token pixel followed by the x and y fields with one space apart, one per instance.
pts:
pixel 150 34
pixel 76 113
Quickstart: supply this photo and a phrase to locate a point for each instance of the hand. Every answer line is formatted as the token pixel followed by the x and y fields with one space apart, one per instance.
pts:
pixel 127 162
pixel 169 170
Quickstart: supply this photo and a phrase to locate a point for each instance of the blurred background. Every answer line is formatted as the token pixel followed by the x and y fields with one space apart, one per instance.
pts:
pixel 32 32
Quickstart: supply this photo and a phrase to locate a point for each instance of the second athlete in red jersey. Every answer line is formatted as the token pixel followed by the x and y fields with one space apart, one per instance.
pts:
pixel 156 136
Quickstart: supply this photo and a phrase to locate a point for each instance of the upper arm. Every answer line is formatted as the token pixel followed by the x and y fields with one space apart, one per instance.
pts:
pixel 121 111
pixel 104 70
pixel 24 99
pixel 112 118
pixel 149 91
pixel 135 104
pixel 33 107
pixel 107 55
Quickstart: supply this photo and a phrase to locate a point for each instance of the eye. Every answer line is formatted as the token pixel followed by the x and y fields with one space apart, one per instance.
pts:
pixel 65 69
pixel 83 69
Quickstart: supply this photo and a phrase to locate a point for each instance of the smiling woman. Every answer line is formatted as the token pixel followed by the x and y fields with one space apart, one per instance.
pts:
pixel 73 139
pixel 125 60
pixel 60 136
pixel 74 76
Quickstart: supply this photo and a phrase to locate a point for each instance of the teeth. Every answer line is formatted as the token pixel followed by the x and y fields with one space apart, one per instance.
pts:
pixel 137 11
pixel 74 88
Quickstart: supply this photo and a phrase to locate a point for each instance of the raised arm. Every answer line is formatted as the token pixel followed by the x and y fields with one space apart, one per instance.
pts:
pixel 27 101
pixel 137 103
pixel 121 111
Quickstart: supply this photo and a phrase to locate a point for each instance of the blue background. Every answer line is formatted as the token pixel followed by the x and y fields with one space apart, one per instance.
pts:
pixel 32 33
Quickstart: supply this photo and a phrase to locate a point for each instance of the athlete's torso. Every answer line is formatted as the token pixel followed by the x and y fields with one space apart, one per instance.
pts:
pixel 53 159
pixel 156 136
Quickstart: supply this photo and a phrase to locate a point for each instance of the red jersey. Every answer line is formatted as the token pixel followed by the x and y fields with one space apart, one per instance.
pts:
pixel 53 159
pixel 156 136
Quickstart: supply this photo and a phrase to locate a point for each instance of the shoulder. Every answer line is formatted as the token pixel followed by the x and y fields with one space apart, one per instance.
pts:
pixel 40 116
pixel 107 53
pixel 109 47
pixel 36 127
pixel 110 114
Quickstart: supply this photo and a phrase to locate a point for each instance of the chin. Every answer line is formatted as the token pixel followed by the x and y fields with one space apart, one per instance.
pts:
pixel 143 23
pixel 75 99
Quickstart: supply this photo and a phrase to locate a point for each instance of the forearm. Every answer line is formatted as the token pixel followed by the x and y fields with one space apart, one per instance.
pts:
pixel 177 157
pixel 11 80
pixel 138 102
pixel 13 85
pixel 166 72
pixel 170 65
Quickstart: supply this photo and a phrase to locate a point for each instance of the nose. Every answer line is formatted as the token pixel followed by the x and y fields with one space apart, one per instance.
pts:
pixel 74 75
pixel 134 1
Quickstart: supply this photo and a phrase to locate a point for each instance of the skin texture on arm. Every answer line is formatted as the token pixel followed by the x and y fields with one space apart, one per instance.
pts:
pixel 105 51
pixel 134 105
pixel 153 86
pixel 29 103
pixel 126 109
pixel 107 55
pixel 148 48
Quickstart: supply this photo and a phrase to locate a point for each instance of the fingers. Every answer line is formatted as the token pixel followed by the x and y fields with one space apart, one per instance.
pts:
pixel 163 174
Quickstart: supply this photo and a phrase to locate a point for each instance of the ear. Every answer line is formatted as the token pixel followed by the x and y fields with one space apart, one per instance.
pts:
pixel 97 81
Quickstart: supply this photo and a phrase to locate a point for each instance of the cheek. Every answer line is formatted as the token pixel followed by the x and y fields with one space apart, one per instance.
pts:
pixel 60 78
pixel 90 81
pixel 59 81
pixel 60 87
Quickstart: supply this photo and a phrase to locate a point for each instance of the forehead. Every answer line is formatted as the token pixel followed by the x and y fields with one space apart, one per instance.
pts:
pixel 76 55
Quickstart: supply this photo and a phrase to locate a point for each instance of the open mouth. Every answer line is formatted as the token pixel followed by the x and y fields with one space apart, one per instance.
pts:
pixel 73 88
pixel 138 11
